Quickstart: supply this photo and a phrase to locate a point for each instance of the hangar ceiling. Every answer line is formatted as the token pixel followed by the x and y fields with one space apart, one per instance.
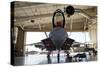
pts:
pixel 38 16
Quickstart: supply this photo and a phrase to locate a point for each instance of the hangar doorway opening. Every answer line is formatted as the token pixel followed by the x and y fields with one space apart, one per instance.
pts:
pixel 31 39
pixel 36 37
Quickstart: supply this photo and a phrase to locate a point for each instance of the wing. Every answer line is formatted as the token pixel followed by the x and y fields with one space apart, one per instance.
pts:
pixel 37 45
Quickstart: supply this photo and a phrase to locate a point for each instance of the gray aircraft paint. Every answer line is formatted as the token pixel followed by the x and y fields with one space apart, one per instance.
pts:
pixel 58 36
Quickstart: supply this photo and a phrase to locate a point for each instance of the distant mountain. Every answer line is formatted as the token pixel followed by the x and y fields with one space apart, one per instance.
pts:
pixel 43 52
pixel 32 52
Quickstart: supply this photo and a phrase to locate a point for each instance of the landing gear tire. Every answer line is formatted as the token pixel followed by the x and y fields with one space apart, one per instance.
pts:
pixel 58 58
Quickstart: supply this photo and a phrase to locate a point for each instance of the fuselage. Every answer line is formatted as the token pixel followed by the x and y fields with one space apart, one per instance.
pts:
pixel 58 36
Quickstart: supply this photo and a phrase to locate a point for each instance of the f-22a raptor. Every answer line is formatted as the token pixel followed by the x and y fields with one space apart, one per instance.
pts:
pixel 58 38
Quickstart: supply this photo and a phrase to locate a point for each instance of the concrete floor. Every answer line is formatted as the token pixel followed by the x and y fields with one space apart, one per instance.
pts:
pixel 42 59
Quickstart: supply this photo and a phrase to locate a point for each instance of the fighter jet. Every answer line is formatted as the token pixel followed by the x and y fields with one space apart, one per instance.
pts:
pixel 58 37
